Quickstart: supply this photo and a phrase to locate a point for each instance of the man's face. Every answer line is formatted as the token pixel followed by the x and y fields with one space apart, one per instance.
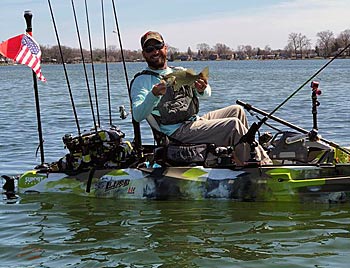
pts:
pixel 155 54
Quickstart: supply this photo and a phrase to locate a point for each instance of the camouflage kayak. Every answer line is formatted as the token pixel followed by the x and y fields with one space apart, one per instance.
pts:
pixel 296 183
pixel 101 164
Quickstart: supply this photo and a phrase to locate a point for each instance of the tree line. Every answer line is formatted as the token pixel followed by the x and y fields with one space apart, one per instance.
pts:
pixel 327 43
pixel 298 47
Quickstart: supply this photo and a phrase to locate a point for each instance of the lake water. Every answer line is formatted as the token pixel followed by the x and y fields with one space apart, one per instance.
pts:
pixel 70 231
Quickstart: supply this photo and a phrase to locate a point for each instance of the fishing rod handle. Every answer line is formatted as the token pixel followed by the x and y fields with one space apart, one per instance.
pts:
pixel 245 105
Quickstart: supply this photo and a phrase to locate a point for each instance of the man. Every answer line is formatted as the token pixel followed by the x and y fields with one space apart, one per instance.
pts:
pixel 176 111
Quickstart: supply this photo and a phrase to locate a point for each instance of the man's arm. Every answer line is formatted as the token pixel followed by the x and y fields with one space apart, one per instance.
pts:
pixel 142 98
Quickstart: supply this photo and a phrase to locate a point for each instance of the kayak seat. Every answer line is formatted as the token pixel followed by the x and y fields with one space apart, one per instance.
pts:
pixel 168 147
pixel 173 152
pixel 169 151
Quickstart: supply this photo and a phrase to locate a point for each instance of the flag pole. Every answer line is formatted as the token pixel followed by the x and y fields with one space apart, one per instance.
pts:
pixel 28 17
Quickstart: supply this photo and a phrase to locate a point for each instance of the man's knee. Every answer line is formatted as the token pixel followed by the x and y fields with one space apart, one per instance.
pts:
pixel 235 110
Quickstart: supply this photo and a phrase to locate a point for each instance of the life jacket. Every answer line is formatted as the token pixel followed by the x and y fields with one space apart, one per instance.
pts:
pixel 175 106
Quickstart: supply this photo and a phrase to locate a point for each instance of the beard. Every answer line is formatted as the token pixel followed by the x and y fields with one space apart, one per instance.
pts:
pixel 158 63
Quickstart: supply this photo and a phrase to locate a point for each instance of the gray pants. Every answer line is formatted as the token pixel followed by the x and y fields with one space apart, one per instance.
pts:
pixel 223 127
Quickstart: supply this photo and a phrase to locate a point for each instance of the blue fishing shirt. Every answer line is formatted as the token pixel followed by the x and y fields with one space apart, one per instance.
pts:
pixel 144 101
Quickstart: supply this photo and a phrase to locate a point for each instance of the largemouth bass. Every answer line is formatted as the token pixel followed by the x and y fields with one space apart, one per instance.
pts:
pixel 181 78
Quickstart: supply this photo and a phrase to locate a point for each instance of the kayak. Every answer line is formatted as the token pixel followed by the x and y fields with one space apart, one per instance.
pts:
pixel 294 183
pixel 102 165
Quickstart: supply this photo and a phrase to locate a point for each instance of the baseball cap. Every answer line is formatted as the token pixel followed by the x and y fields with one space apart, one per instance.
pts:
pixel 151 35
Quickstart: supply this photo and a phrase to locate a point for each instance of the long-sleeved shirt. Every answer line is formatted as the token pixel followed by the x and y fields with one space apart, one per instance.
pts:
pixel 144 101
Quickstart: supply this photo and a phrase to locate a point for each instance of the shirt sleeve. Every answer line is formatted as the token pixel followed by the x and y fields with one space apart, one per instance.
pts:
pixel 142 98
pixel 205 93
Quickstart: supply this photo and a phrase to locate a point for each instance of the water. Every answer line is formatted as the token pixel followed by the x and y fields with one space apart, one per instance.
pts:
pixel 70 231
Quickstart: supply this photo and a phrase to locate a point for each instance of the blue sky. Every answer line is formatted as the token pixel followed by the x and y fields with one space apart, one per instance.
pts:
pixel 183 23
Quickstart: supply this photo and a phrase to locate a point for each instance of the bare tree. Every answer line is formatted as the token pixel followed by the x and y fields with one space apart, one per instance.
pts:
pixel 203 49
pixel 173 52
pixel 344 39
pixel 325 42
pixel 293 44
pixel 298 44
pixel 304 45
pixel 222 49
pixel 249 51
pixel 189 52
pixel 267 50
pixel 240 53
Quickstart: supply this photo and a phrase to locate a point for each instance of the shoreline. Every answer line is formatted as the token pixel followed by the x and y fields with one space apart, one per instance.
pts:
pixel 203 60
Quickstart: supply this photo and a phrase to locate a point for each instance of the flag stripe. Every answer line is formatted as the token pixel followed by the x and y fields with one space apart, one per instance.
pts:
pixel 29 55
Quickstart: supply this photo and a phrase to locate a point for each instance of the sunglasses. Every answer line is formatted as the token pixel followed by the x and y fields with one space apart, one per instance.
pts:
pixel 150 49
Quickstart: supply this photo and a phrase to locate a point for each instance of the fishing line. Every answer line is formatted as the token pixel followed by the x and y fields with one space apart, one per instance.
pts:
pixel 307 81
pixel 65 69
pixel 136 125
pixel 92 63
pixel 106 64
pixel 120 44
pixel 250 108
pixel 249 137
pixel 84 65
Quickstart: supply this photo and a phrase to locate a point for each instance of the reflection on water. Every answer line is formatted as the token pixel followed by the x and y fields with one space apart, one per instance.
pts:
pixel 85 232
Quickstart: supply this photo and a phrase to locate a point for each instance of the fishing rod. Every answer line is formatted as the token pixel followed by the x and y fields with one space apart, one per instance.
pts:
pixel 92 63
pixel 106 64
pixel 249 137
pixel 65 69
pixel 84 65
pixel 28 18
pixel 249 107
pixel 136 125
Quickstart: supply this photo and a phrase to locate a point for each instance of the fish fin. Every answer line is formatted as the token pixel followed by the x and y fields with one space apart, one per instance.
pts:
pixel 190 71
pixel 205 73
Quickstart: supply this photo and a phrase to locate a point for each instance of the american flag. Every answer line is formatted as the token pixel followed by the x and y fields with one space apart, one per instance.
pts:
pixel 30 55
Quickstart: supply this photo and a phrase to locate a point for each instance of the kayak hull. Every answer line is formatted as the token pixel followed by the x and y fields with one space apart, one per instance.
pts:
pixel 294 183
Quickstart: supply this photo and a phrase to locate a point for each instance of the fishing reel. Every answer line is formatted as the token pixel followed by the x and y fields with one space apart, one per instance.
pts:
pixel 123 113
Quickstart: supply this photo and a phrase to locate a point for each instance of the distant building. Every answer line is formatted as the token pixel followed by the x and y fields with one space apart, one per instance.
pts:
pixel 184 57
pixel 226 56
pixel 213 57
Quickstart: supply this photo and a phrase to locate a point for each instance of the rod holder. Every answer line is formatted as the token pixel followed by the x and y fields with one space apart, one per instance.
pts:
pixel 28 17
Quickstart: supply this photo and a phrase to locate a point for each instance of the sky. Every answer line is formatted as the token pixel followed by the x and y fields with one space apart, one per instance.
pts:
pixel 183 23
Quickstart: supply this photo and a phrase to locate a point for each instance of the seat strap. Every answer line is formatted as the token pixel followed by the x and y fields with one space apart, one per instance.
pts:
pixel 153 122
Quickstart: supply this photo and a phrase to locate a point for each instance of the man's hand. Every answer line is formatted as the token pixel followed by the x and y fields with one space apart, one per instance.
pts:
pixel 201 84
pixel 159 89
